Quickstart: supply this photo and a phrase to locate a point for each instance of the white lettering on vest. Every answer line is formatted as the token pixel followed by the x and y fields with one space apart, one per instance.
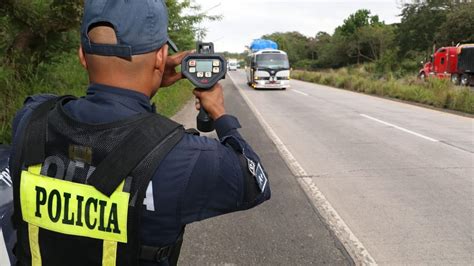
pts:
pixel 149 201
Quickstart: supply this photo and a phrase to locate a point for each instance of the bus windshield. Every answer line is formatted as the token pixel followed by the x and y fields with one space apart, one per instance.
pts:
pixel 274 61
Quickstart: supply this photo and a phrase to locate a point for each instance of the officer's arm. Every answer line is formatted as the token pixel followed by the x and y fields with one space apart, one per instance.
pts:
pixel 221 181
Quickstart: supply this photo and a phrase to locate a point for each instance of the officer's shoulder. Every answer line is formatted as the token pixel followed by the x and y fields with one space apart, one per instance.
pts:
pixel 192 142
pixel 37 99
pixel 31 102
pixel 29 105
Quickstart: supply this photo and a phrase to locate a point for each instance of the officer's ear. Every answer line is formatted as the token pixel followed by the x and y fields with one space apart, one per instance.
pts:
pixel 161 57
pixel 82 57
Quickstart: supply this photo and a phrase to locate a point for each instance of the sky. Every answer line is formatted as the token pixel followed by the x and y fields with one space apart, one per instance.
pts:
pixel 245 20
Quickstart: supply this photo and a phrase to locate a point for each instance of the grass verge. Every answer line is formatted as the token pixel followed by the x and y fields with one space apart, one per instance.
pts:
pixel 170 100
pixel 433 92
pixel 64 75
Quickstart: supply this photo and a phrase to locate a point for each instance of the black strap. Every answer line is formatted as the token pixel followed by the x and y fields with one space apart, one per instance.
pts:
pixel 193 131
pixel 159 254
pixel 142 176
pixel 155 254
pixel 173 259
pixel 152 131
pixel 36 133
pixel 33 137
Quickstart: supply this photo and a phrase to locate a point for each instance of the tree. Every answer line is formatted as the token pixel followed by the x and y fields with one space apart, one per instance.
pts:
pixel 184 19
pixel 33 29
pixel 458 27
pixel 359 19
pixel 419 24
pixel 332 51
pixel 294 43
pixel 349 33
pixel 376 40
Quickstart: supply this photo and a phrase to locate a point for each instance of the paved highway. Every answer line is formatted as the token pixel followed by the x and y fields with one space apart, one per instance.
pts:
pixel 396 178
pixel 287 230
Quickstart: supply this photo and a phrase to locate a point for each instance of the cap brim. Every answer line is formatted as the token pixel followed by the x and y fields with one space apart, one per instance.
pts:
pixel 172 45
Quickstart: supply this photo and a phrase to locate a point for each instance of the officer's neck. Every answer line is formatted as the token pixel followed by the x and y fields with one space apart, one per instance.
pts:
pixel 128 84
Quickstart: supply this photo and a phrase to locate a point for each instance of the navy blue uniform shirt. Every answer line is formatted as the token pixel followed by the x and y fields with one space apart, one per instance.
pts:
pixel 199 179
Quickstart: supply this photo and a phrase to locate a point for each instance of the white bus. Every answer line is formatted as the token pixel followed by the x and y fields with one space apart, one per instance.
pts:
pixel 268 69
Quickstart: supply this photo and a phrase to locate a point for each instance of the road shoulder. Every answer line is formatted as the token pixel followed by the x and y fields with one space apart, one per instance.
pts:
pixel 287 230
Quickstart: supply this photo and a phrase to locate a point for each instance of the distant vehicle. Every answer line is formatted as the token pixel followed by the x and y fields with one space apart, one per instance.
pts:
pixel 269 67
pixel 455 63
pixel 232 64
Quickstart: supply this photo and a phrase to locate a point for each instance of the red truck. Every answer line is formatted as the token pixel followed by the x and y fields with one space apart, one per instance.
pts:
pixel 455 63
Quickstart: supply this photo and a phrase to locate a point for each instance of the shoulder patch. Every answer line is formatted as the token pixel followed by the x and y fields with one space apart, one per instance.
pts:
pixel 257 171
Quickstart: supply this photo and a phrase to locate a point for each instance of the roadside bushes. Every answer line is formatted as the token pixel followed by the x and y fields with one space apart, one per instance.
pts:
pixel 63 75
pixel 434 92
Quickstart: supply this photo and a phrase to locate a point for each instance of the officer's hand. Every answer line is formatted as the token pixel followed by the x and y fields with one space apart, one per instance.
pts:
pixel 170 75
pixel 212 100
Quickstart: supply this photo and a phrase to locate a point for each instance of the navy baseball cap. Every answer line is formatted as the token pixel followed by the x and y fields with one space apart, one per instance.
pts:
pixel 141 26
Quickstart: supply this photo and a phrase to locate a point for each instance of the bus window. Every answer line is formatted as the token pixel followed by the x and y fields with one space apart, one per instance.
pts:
pixel 274 61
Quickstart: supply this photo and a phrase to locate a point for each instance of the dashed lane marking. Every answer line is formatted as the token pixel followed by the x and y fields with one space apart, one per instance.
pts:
pixel 300 92
pixel 400 128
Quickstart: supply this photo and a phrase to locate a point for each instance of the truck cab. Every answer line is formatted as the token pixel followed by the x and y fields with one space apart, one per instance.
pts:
pixel 450 63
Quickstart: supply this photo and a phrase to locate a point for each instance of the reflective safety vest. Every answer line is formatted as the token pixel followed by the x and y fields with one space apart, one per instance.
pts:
pixel 79 188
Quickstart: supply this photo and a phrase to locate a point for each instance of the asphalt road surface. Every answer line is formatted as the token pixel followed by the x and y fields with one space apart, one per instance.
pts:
pixel 399 177
pixel 287 230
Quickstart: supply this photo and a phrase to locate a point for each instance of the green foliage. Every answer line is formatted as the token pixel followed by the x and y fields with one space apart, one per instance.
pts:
pixel 63 75
pixel 364 36
pixel 434 22
pixel 184 19
pixel 361 38
pixel 34 30
pixel 38 42
pixel 331 51
pixel 354 22
pixel 392 50
pixel 459 25
pixel 171 99
pixel 375 41
pixel 294 43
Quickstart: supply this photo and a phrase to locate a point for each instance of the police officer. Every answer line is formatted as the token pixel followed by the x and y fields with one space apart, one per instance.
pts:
pixel 103 179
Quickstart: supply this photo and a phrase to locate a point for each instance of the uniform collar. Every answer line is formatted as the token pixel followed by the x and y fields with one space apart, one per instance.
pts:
pixel 134 100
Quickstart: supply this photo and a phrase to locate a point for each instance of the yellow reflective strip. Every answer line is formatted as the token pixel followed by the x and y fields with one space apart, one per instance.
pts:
pixel 36 169
pixel 89 213
pixel 33 234
pixel 33 231
pixel 109 253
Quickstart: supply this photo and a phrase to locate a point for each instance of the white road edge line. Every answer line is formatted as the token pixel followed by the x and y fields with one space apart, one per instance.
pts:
pixel 399 128
pixel 300 92
pixel 351 243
